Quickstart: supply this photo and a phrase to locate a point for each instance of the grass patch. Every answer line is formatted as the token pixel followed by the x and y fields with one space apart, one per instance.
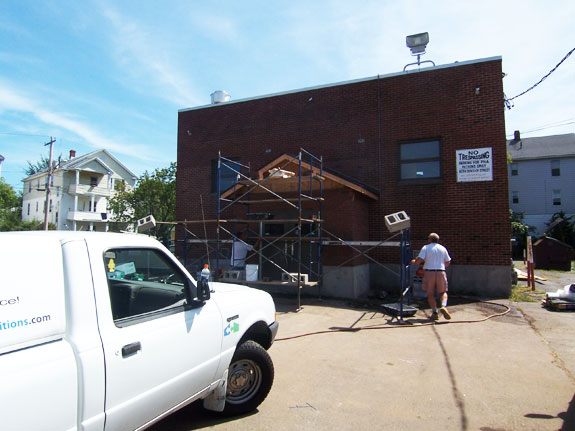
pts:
pixel 525 294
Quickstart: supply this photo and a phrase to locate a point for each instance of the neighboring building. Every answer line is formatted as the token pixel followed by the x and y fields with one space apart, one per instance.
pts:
pixel 429 142
pixel 542 178
pixel 1 160
pixel 79 191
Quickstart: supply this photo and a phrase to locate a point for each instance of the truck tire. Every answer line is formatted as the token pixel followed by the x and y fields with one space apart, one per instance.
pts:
pixel 250 378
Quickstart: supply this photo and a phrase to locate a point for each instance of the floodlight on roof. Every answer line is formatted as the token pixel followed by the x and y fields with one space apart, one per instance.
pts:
pixel 417 44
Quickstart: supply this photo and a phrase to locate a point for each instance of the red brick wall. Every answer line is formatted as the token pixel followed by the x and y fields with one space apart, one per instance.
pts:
pixel 357 128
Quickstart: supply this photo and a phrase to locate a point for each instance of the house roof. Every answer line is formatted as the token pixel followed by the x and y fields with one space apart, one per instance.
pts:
pixel 543 147
pixel 81 161
pixel 290 165
pixel 554 241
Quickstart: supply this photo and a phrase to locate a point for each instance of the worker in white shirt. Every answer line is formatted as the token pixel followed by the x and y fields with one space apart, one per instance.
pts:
pixel 240 250
pixel 436 258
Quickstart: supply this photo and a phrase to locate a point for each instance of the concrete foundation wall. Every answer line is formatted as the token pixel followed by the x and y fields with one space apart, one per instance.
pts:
pixel 482 280
pixel 353 282
pixel 346 281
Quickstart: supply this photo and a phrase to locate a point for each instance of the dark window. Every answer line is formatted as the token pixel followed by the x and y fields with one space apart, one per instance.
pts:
pixel 555 168
pixel 515 197
pixel 28 209
pixel 142 282
pixel 420 160
pixel 514 169
pixel 556 197
pixel 93 181
pixel 228 174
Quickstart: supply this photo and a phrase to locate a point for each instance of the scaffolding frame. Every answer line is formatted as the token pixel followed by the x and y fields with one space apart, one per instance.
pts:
pixel 312 263
pixel 317 236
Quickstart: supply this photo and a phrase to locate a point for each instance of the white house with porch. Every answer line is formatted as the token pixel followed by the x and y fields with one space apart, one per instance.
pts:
pixel 79 191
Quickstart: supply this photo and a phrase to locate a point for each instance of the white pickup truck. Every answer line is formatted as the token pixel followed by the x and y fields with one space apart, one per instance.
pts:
pixel 104 331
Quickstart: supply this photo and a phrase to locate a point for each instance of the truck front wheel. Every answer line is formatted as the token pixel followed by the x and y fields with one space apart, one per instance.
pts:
pixel 250 378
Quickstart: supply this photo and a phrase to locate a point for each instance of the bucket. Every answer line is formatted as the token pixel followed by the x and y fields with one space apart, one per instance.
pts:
pixel 251 272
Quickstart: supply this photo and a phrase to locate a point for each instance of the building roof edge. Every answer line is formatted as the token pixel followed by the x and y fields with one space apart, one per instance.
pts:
pixel 353 81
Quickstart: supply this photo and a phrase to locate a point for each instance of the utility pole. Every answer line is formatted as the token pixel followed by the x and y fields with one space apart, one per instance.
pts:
pixel 47 206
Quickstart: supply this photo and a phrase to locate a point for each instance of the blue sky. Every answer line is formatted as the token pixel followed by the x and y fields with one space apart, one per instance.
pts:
pixel 113 74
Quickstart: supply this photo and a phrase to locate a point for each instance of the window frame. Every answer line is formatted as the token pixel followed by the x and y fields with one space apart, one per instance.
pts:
pixel 556 197
pixel 435 159
pixel 555 168
pixel 514 167
pixel 515 197
pixel 166 310
pixel 230 175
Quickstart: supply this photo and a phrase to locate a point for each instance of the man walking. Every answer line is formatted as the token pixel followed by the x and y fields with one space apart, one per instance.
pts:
pixel 436 260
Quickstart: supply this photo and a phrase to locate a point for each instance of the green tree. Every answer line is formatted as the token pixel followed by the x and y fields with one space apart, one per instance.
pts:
pixel 11 212
pixel 154 194
pixel 519 230
pixel 10 206
pixel 41 165
pixel 8 197
pixel 562 227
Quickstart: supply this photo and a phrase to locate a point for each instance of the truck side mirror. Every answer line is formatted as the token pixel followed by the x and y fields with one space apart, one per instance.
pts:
pixel 196 297
pixel 203 289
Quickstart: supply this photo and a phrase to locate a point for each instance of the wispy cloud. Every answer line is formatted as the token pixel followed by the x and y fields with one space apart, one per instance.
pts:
pixel 146 58
pixel 13 100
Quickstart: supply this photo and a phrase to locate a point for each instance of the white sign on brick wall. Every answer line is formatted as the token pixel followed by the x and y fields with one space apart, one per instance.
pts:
pixel 474 165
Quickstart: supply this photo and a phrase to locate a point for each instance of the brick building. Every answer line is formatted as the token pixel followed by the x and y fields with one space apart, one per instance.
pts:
pixel 428 142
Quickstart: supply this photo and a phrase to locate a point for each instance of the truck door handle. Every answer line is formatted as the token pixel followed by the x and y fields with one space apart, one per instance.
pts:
pixel 130 349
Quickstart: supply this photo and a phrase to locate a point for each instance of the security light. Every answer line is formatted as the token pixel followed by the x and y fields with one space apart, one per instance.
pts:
pixel 417 43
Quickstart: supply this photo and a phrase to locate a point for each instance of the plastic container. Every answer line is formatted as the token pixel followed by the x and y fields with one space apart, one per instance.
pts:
pixel 252 272
pixel 205 273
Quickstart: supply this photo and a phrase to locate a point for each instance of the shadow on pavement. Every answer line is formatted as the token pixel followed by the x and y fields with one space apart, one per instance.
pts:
pixel 193 417
pixel 568 417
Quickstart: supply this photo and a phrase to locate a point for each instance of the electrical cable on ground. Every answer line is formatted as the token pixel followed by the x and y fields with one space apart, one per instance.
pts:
pixel 408 325
pixel 510 105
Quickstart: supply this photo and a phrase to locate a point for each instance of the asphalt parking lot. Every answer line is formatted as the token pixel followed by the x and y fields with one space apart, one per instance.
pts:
pixel 514 371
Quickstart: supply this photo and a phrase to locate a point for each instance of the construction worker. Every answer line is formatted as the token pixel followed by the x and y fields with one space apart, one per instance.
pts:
pixel 240 250
pixel 436 260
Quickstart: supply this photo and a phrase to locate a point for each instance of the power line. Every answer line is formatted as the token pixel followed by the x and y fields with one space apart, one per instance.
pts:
pixel 549 127
pixel 510 105
pixel 561 123
pixel 24 134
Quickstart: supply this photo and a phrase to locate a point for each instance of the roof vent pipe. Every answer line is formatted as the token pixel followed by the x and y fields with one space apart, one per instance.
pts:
pixel 220 96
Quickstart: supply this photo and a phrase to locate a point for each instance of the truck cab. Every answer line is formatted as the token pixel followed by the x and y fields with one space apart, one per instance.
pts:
pixel 103 331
